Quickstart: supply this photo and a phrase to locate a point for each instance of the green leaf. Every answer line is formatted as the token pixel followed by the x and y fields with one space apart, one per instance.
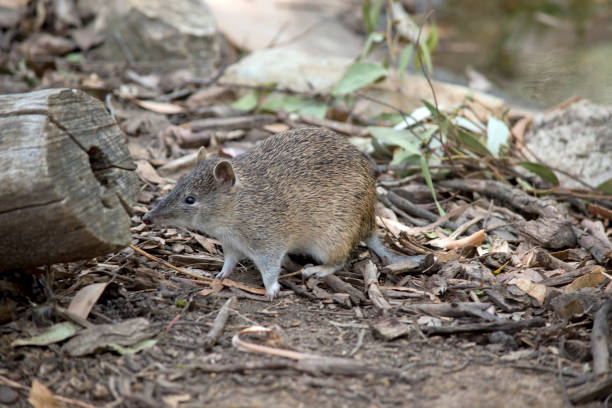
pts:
pixel 371 14
pixel 374 37
pixel 426 57
pixel 432 38
pixel 471 142
pixel 497 135
pixel 432 109
pixel 292 103
pixel 544 172
pixel 427 176
pixel 143 345
pixel 402 138
pixel 76 57
pixel 248 102
pixel 365 14
pixel 606 187
pixel 357 76
pixel 54 334
pixel 404 156
pixel 314 110
pixel 404 59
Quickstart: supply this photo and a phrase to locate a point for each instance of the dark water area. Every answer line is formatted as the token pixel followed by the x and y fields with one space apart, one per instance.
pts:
pixel 534 53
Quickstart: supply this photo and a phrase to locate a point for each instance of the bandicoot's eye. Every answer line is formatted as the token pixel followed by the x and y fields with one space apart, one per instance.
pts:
pixel 189 200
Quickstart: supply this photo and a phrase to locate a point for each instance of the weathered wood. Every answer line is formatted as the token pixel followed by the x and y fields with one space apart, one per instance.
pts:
pixel 67 181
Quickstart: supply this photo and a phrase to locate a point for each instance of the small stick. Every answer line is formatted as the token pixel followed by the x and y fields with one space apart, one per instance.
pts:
pixel 71 316
pixel 508 326
pixel 199 279
pixel 359 343
pixel 215 333
pixel 371 283
pixel 169 265
pixel 599 339
pixel 297 289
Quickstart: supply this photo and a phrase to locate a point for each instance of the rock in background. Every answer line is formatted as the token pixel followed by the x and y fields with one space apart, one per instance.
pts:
pixel 577 140
pixel 160 36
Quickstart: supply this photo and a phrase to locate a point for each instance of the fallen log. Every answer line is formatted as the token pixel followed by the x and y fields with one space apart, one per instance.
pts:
pixel 67 181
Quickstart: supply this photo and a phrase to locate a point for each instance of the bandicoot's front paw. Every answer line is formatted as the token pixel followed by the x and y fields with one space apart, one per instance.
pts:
pixel 272 291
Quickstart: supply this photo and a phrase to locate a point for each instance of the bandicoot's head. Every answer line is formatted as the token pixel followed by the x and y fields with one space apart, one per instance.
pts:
pixel 200 198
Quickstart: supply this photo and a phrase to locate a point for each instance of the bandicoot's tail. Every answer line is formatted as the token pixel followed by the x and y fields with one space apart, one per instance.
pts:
pixel 388 257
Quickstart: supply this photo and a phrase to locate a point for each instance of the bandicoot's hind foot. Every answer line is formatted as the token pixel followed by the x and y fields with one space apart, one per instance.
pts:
pixel 320 271
pixel 389 257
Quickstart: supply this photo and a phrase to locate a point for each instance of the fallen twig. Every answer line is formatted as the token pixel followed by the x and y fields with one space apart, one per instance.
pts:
pixel 215 333
pixel 455 309
pixel 591 390
pixel 368 269
pixel 599 339
pixel 341 286
pixel 507 326
pixel 199 279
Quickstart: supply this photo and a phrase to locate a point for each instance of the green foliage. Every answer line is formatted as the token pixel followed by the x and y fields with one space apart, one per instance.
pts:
pixel 295 104
pixel 427 176
pixel 371 14
pixel 544 172
pixel 357 76
pixel 248 102
pixel 606 187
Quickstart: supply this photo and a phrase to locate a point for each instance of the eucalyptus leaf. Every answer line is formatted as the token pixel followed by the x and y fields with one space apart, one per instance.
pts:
pixel 401 156
pixel 427 176
pixel 54 334
pixel 374 37
pixel 357 76
pixel 248 102
pixel 432 38
pixel 314 110
pixel 402 138
pixel 143 345
pixel 544 172
pixel 404 59
pixel 295 104
pixel 471 142
pixel 416 116
pixel 497 135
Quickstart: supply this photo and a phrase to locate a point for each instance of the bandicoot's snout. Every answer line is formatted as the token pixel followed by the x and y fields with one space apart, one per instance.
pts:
pixel 147 218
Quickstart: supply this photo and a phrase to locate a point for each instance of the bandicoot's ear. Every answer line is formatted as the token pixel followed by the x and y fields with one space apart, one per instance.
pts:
pixel 224 173
pixel 201 156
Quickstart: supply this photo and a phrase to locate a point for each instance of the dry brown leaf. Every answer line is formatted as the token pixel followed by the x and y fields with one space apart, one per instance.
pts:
pixel 159 107
pixel 174 401
pixel 85 298
pixel 206 243
pixel 215 287
pixel 395 227
pixel 473 240
pixel 276 127
pixel 519 129
pixel 42 397
pixel 147 173
pixel 535 290
pixel 590 280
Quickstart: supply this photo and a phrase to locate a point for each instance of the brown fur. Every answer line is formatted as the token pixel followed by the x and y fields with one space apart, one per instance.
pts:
pixel 301 191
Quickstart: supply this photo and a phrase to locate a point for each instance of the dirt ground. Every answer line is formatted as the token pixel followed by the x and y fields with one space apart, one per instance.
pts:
pixel 504 319
pixel 429 371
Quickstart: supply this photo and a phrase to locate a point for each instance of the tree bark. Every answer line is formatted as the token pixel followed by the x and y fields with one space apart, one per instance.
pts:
pixel 67 181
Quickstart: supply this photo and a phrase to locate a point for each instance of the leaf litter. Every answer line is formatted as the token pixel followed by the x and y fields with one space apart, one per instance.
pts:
pixel 516 291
